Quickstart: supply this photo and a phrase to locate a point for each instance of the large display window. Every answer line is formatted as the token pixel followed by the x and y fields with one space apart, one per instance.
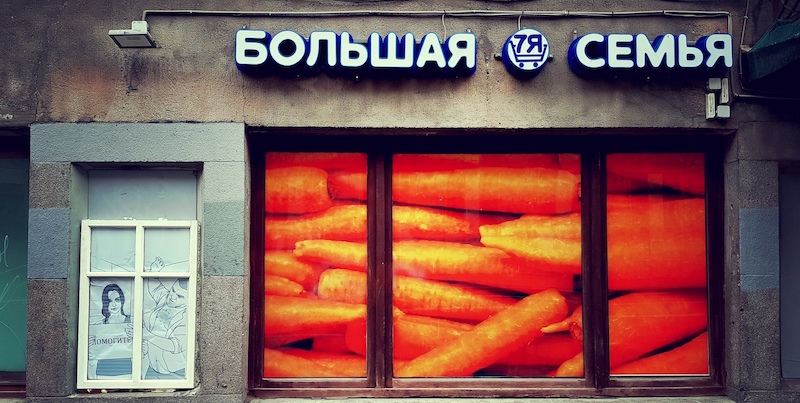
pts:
pixel 563 272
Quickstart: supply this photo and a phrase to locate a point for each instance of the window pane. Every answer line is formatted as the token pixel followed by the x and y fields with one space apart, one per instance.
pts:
pixel 13 263
pixel 315 282
pixel 110 329
pixel 166 249
pixel 658 310
pixel 113 249
pixel 486 252
pixel 164 328
pixel 142 194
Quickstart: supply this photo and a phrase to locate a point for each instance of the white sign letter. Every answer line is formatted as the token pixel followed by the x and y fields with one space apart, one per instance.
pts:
pixel 719 46
pixel 296 54
pixel 249 50
pixel 619 45
pixel 391 45
pixel 462 46
pixel 661 51
pixel 580 51
pixel 688 56
pixel 351 54
pixel 430 50
pixel 315 45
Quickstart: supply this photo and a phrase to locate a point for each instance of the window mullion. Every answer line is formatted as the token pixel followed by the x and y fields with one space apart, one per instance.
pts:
pixel 138 305
pixel 595 268
pixel 379 279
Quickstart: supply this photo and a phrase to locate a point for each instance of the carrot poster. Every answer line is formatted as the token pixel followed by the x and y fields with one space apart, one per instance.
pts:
pixel 311 235
pixel 487 265
pixel 658 306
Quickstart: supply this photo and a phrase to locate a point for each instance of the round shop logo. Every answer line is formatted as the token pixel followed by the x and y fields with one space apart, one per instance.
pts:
pixel 525 53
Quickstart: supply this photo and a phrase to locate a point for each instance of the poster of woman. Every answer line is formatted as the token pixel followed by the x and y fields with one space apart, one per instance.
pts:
pixel 110 329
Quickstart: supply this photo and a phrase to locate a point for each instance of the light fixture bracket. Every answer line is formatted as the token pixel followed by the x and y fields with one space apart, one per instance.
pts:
pixel 136 37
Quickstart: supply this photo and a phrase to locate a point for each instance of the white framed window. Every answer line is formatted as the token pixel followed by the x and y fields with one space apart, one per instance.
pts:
pixel 137 305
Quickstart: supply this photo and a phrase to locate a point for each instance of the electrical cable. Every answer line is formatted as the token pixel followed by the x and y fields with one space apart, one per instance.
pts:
pixel 438 13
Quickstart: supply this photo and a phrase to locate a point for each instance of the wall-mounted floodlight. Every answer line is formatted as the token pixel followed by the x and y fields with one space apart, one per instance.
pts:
pixel 136 37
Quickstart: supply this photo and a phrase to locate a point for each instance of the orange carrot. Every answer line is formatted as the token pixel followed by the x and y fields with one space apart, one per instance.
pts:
pixel 344 222
pixel 572 367
pixel 628 216
pixel 509 190
pixel 332 343
pixel 574 319
pixel 326 161
pixel 410 222
pixel 641 322
pixel 415 335
pixel 653 216
pixel 442 300
pixel 653 244
pixel 346 364
pixel 440 260
pixel 451 261
pixel 491 339
pixel 349 223
pixel 545 254
pixel 448 162
pixel 284 264
pixel 278 364
pixel 690 358
pixel 657 263
pixel 296 190
pixel 348 185
pixel 566 226
pixel 343 285
pixel 343 254
pixel 284 315
pixel 276 285
pixel 656 244
pixel 684 172
pixel 416 296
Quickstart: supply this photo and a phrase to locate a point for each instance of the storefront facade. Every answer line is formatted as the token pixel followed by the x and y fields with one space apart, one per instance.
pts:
pixel 277 199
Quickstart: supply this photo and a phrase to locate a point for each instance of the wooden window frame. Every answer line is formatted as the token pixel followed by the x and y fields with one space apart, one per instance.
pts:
pixel 593 146
pixel 137 276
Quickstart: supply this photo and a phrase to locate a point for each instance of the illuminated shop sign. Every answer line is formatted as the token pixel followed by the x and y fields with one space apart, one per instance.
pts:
pixel 596 54
pixel 259 52
pixel 525 53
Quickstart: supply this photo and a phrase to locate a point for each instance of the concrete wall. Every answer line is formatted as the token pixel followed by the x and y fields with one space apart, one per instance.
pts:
pixel 60 155
pixel 89 102
pixel 752 260
pixel 65 68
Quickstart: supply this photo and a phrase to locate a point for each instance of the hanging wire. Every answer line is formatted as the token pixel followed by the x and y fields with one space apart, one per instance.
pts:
pixel 444 25
pixel 431 13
